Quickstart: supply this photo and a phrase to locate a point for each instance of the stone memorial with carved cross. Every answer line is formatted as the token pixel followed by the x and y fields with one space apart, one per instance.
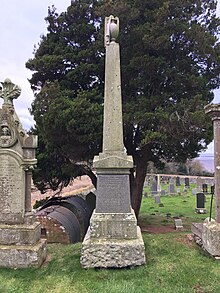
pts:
pixel 113 238
pixel 20 243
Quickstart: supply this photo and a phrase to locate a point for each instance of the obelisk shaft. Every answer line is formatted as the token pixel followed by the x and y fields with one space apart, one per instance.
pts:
pixel 113 127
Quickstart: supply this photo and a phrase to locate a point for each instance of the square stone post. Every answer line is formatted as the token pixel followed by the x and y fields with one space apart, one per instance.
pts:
pixel 211 230
pixel 113 238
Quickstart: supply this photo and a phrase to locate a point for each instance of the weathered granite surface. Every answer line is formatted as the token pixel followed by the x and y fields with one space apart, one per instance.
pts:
pixel 107 253
pixel 23 256
pixel 211 238
pixel 113 225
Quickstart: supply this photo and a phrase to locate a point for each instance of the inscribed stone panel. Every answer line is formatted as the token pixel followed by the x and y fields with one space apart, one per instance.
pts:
pixel 11 185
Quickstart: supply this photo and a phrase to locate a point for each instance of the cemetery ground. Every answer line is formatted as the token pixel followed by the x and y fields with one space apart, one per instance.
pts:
pixel 174 262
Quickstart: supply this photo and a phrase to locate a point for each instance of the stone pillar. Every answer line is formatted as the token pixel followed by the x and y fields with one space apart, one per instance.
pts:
pixel 113 238
pixel 211 230
pixel 28 175
pixel 213 110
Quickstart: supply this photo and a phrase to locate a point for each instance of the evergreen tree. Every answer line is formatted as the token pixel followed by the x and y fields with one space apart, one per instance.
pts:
pixel 170 67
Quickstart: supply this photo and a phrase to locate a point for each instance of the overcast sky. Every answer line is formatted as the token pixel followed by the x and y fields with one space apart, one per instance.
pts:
pixel 21 25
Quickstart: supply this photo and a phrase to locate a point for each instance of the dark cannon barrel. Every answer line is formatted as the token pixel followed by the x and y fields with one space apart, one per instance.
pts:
pixel 74 207
pixel 69 221
pixel 59 224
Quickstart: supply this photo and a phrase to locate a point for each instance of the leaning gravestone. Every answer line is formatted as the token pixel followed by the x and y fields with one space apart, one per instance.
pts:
pixel 113 238
pixel 20 244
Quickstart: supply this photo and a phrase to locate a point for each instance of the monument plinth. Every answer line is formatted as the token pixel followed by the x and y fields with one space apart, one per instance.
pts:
pixel 20 243
pixel 211 230
pixel 113 238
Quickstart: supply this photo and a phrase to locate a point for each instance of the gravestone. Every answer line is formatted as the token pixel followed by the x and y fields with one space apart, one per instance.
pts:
pixel 145 194
pixel 200 203
pixel 187 185
pixel 204 188
pixel 199 183
pixel 194 191
pixel 113 238
pixel 157 199
pixel 162 193
pixel 20 243
pixel 178 224
pixel 158 183
pixel 178 181
pixel 171 189
pixel 153 188
pixel 145 184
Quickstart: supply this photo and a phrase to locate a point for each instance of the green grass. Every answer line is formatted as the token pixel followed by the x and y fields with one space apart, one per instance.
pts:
pixel 177 206
pixel 174 262
pixel 173 265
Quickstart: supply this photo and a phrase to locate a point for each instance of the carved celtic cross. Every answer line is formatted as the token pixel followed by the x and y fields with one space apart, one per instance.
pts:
pixel 9 91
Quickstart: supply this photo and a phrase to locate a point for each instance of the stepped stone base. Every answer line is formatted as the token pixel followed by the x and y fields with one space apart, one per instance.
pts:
pixel 211 238
pixel 113 225
pixel 23 256
pixel 20 234
pixel 115 253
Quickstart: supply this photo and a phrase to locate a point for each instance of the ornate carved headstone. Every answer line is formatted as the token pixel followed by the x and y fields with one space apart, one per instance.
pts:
pixel 113 238
pixel 20 244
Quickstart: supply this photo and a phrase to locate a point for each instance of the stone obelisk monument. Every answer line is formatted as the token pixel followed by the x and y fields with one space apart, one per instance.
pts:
pixel 20 243
pixel 211 230
pixel 113 238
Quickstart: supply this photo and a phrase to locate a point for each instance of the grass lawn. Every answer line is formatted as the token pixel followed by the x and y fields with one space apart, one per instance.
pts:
pixel 174 262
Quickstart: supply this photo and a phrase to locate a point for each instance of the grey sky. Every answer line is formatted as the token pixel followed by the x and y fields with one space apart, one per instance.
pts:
pixel 21 24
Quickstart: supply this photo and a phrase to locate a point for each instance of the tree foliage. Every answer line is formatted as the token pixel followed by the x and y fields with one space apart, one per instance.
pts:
pixel 170 67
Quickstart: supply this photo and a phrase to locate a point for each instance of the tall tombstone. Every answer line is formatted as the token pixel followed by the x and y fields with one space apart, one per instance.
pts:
pixel 200 203
pixel 178 181
pixel 199 183
pixel 153 188
pixel 205 188
pixel 211 230
pixel 113 238
pixel 20 243
pixel 171 188
pixel 187 185
pixel 158 183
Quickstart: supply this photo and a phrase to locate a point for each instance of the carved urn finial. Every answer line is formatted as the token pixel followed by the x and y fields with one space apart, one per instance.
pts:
pixel 111 29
